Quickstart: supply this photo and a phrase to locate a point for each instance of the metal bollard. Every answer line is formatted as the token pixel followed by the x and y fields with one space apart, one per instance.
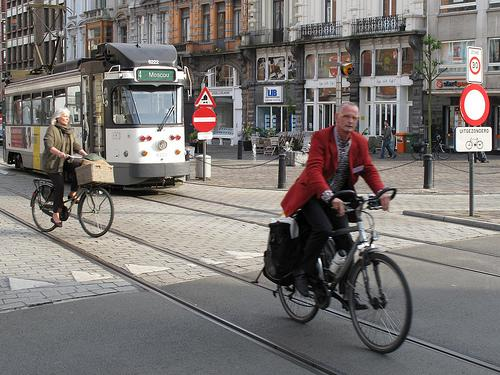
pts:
pixel 428 183
pixel 282 171
pixel 240 150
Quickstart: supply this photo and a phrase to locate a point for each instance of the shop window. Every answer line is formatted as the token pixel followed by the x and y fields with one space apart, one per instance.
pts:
pixel 494 54
pixel 385 93
pixel 309 95
pixel 450 6
pixel 276 68
pixel 224 75
pixel 327 65
pixel 366 63
pixel 328 94
pixel 407 60
pixel 310 64
pixel 454 55
pixel 386 62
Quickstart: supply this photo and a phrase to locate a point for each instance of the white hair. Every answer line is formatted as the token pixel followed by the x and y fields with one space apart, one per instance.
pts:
pixel 58 113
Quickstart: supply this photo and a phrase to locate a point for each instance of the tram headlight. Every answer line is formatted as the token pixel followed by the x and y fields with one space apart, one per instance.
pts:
pixel 162 145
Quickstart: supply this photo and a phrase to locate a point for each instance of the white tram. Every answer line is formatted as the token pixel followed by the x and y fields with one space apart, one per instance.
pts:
pixel 126 105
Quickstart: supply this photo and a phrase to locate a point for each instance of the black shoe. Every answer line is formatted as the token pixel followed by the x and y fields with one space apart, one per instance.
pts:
pixel 300 282
pixel 321 294
pixel 358 305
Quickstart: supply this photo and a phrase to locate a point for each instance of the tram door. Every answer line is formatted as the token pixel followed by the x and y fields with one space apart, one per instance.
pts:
pixel 93 109
pixel 496 129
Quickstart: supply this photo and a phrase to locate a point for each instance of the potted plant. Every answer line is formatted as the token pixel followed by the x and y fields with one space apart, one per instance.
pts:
pixel 247 141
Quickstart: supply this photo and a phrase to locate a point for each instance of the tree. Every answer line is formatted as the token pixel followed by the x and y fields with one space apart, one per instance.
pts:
pixel 430 69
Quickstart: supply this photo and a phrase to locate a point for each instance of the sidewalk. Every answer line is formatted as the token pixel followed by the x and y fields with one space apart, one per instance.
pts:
pixel 407 175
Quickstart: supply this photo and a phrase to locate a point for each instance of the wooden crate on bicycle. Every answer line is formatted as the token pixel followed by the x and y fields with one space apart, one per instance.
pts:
pixel 95 172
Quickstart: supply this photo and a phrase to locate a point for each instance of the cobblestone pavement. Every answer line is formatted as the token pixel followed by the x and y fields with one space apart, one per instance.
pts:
pixel 56 274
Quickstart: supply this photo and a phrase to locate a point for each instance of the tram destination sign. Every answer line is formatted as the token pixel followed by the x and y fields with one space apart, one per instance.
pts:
pixel 155 75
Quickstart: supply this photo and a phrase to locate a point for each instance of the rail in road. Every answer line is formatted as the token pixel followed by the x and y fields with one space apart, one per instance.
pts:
pixel 148 246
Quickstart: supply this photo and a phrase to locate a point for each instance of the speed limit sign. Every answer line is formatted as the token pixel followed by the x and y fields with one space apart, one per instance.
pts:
pixel 474 65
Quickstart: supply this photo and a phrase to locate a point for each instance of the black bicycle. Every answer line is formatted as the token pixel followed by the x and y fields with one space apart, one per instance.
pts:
pixel 95 208
pixel 370 285
pixel 440 151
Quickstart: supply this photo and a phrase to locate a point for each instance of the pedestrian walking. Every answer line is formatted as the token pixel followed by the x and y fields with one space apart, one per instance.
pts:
pixel 387 142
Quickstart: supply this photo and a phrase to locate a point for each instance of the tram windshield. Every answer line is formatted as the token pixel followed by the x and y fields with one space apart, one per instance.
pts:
pixel 145 105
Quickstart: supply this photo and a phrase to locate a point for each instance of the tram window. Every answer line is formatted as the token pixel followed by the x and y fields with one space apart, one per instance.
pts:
pixel 8 110
pixel 37 111
pixel 73 103
pixel 60 98
pixel 144 105
pixel 47 108
pixel 18 111
pixel 27 110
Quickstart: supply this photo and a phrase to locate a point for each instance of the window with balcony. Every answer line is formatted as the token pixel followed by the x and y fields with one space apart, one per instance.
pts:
pixel 278 6
pixel 140 28
pixel 150 27
pixel 449 6
pixel 454 55
pixel 494 54
pixel 236 17
pixel 205 19
pixel 389 8
pixel 185 25
pixel 386 62
pixel 328 11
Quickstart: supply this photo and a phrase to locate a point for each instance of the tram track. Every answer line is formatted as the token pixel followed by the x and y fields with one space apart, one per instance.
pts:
pixel 305 361
pixel 273 214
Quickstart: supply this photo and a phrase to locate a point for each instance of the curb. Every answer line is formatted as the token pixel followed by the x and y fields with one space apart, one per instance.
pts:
pixel 455 220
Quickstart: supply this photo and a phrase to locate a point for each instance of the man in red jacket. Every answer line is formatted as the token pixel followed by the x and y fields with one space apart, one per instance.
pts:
pixel 337 157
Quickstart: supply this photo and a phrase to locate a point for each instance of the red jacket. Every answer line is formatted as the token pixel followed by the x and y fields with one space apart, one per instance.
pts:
pixel 322 164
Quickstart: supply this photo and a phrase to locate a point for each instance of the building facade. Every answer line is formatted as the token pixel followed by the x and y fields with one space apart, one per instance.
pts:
pixel 457 26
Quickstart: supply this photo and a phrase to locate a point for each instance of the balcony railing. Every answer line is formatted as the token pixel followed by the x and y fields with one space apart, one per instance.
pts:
pixel 321 30
pixel 101 13
pixel 266 37
pixel 375 25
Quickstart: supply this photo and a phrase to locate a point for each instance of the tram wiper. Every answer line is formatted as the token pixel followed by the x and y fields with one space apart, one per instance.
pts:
pixel 164 121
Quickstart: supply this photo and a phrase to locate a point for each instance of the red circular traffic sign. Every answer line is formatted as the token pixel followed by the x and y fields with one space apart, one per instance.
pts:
pixel 474 65
pixel 204 119
pixel 474 105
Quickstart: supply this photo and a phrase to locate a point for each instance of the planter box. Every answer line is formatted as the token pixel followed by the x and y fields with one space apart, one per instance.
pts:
pixel 95 172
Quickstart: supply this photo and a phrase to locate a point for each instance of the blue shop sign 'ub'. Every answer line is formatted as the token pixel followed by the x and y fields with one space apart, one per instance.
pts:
pixel 273 94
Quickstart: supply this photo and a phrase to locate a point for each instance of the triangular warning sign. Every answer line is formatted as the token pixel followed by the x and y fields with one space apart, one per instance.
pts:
pixel 205 99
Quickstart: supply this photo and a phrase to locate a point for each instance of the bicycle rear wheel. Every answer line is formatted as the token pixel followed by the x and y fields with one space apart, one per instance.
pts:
pixel 299 308
pixel 95 211
pixel 41 208
pixel 381 287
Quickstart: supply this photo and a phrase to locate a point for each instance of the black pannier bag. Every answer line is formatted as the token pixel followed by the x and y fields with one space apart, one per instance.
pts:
pixel 283 251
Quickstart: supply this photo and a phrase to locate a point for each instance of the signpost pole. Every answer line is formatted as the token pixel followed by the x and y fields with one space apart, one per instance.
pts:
pixel 471 184
pixel 204 159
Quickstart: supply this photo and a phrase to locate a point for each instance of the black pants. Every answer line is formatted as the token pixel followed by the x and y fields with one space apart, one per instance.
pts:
pixel 58 182
pixel 322 221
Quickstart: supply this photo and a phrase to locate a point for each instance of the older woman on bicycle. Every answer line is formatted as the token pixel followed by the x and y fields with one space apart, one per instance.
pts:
pixel 59 143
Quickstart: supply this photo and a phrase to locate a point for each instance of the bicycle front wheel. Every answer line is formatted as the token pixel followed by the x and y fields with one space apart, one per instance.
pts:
pixel 41 208
pixel 95 211
pixel 379 303
pixel 443 153
pixel 299 308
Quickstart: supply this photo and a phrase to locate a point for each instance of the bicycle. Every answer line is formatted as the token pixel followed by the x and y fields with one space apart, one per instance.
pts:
pixel 95 207
pixel 439 150
pixel 370 285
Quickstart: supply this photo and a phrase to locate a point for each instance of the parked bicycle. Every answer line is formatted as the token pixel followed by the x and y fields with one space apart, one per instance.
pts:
pixel 95 207
pixel 370 285
pixel 440 151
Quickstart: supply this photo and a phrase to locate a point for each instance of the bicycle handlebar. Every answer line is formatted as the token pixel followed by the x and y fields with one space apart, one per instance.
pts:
pixel 352 199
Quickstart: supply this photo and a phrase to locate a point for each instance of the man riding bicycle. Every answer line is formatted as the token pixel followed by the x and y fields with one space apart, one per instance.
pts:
pixel 337 157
